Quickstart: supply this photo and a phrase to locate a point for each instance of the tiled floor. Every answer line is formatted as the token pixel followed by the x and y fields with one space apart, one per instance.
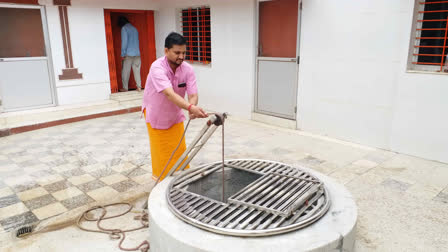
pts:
pixel 402 200
pixel 47 172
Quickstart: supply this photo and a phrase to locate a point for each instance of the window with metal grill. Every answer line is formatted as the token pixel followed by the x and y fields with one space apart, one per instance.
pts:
pixel 196 28
pixel 430 48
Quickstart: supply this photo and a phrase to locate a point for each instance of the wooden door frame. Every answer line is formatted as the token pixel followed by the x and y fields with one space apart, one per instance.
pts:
pixel 110 41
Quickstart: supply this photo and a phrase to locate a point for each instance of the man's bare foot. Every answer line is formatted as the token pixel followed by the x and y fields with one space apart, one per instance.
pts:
pixel 122 90
pixel 139 89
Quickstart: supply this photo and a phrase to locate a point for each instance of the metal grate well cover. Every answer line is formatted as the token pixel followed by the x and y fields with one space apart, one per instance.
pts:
pixel 277 193
pixel 283 199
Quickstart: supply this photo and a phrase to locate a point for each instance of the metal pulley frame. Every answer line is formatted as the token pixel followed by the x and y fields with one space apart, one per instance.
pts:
pixel 206 132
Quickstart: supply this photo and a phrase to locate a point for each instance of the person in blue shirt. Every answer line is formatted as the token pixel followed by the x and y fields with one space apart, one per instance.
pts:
pixel 130 53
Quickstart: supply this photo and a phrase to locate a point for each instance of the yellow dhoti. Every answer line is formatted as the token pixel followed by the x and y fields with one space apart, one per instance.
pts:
pixel 162 143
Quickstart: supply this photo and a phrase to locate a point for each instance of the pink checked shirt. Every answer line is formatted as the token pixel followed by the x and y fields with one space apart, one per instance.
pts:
pixel 161 113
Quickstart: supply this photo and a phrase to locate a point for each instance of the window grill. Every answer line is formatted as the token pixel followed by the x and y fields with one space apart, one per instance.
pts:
pixel 196 28
pixel 431 33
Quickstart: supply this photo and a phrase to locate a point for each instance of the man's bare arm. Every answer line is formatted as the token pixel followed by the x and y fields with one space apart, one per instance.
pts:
pixel 182 103
pixel 175 98
pixel 193 99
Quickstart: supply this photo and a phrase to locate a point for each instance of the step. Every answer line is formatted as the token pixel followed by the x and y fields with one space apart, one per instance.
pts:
pixel 126 96
pixel 22 121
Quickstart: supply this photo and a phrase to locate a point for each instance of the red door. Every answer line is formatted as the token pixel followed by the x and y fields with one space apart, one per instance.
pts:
pixel 144 22
pixel 278 28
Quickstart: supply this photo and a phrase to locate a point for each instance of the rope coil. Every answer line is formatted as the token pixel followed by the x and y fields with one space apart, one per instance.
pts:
pixel 115 233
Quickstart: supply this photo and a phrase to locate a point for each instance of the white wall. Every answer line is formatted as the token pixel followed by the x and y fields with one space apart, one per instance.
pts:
pixel 89 49
pixel 226 85
pixel 353 83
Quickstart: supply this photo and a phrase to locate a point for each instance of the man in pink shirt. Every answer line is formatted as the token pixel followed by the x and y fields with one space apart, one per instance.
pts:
pixel 168 80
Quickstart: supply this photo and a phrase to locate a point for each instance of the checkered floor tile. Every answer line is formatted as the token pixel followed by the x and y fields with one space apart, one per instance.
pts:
pixel 50 171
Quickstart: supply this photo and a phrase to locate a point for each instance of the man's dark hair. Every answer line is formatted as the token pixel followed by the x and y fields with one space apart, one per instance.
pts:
pixel 122 21
pixel 174 39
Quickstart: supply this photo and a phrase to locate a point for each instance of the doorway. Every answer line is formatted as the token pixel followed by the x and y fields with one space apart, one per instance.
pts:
pixel 143 21
pixel 277 59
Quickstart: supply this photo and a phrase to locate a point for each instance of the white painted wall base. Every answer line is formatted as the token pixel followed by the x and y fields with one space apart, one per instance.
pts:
pixel 83 93
pixel 272 120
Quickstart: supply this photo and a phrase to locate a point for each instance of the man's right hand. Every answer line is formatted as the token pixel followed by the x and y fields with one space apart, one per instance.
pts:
pixel 197 112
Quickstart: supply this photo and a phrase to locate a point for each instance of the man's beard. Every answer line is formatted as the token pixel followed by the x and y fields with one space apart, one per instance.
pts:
pixel 175 62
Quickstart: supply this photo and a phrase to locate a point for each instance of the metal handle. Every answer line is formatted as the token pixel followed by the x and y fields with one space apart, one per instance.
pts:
pixel 206 132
